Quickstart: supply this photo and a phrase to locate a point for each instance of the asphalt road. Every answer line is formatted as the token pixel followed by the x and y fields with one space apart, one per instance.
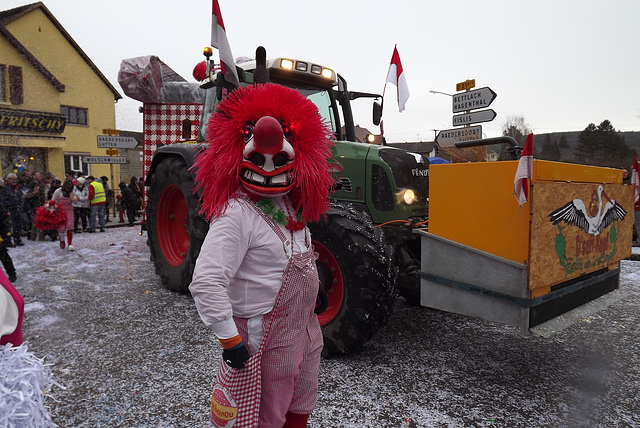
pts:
pixel 131 354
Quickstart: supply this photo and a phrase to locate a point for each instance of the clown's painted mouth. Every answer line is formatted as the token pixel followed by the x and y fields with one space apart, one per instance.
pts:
pixel 257 179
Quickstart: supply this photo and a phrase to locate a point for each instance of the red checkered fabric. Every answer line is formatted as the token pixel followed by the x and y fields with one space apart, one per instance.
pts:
pixel 290 359
pixel 162 124
pixel 235 401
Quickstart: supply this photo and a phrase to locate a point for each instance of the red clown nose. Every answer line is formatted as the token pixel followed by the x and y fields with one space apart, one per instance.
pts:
pixel 267 135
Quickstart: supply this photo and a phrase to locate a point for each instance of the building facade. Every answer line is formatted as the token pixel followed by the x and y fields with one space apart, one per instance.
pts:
pixel 54 101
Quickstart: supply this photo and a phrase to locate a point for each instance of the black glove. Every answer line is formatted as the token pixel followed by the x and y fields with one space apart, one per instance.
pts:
pixel 322 301
pixel 236 357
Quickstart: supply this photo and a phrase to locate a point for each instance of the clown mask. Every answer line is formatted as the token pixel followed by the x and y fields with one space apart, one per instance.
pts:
pixel 268 158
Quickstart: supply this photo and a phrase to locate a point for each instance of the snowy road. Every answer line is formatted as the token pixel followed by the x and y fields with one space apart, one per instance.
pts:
pixel 131 354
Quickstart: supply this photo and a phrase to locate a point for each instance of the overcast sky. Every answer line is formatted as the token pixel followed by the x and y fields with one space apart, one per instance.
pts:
pixel 560 64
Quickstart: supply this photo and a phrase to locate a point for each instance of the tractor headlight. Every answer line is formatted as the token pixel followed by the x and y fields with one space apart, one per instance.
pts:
pixel 287 64
pixel 409 197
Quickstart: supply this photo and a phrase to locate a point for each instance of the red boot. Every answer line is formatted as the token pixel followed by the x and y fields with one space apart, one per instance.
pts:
pixel 62 244
pixel 69 239
pixel 295 420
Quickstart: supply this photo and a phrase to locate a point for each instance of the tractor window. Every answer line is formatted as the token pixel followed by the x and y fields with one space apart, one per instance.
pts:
pixel 210 102
pixel 322 100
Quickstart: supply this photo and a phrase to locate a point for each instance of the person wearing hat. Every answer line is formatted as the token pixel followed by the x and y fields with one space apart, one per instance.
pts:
pixel 80 205
pixel 97 202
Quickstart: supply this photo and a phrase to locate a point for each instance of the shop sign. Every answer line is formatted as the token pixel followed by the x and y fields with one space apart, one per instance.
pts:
pixel 9 140
pixel 31 121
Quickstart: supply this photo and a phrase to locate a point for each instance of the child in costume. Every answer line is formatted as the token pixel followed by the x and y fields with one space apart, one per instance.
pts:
pixel 65 197
pixel 255 284
pixel 49 217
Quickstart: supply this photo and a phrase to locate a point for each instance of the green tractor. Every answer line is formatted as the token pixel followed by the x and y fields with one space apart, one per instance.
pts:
pixel 367 251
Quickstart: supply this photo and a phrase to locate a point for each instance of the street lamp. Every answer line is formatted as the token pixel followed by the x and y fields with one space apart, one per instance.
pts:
pixel 438 92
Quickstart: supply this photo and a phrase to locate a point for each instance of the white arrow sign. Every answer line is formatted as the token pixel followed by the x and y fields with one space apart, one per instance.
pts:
pixel 104 159
pixel 449 137
pixel 116 142
pixel 472 100
pixel 474 117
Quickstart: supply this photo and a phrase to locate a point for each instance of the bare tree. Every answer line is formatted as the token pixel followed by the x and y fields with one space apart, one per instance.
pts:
pixel 516 127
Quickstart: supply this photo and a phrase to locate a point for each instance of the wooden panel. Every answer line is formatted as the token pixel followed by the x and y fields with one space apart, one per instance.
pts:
pixel 563 251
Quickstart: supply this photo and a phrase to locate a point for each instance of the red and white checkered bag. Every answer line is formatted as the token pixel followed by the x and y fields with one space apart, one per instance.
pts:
pixel 235 401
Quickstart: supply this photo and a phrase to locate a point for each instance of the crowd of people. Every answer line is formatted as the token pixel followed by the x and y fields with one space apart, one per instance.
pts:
pixel 39 207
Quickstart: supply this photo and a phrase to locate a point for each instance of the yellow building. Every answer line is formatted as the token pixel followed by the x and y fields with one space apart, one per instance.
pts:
pixel 54 101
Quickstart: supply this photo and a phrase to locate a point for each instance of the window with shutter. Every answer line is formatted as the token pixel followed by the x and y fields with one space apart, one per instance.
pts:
pixel 15 84
pixel 3 83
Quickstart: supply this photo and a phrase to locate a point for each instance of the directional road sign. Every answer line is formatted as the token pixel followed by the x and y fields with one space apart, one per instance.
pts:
pixel 449 137
pixel 472 100
pixel 474 117
pixel 116 142
pixel 104 159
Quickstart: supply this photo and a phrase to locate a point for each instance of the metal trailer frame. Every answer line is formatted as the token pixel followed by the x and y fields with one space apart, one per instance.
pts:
pixel 461 279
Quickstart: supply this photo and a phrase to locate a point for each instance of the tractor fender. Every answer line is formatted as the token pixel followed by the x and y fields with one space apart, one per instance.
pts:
pixel 185 151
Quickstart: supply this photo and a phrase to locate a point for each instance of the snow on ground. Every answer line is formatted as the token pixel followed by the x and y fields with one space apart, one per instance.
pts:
pixel 130 353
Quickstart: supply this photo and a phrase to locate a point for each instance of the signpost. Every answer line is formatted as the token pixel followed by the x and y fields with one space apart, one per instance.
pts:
pixel 449 137
pixel 467 84
pixel 116 142
pixel 474 117
pixel 104 159
pixel 473 100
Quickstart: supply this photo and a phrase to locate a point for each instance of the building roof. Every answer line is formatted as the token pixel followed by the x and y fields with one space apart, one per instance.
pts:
pixel 31 59
pixel 12 15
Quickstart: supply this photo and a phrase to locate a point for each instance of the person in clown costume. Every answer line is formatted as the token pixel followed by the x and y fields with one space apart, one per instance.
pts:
pixel 263 176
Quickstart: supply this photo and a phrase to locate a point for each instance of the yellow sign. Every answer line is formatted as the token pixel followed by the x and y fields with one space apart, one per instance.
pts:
pixel 109 131
pixel 112 152
pixel 463 86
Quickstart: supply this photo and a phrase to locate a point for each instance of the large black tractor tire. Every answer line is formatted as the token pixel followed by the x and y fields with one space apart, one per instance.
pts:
pixel 175 231
pixel 409 272
pixel 356 268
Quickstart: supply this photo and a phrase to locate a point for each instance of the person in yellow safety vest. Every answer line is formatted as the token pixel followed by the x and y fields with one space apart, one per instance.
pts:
pixel 97 201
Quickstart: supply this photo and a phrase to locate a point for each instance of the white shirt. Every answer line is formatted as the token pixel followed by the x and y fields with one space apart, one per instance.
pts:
pixel 240 267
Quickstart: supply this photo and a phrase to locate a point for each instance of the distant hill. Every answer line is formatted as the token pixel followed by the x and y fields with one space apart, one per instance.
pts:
pixel 632 139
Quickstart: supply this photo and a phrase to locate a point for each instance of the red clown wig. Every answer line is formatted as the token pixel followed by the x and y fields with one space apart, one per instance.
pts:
pixel 217 169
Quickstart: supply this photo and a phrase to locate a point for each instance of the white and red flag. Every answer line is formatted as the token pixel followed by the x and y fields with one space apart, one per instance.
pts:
pixel 397 76
pixel 524 172
pixel 635 181
pixel 219 41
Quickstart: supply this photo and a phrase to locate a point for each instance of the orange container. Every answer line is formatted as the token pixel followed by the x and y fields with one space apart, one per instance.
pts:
pixel 473 204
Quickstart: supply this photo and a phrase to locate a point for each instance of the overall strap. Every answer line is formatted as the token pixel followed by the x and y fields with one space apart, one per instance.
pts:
pixel 285 244
pixel 269 221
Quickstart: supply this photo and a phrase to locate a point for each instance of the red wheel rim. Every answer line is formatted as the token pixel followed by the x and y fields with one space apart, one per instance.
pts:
pixel 172 231
pixel 331 279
